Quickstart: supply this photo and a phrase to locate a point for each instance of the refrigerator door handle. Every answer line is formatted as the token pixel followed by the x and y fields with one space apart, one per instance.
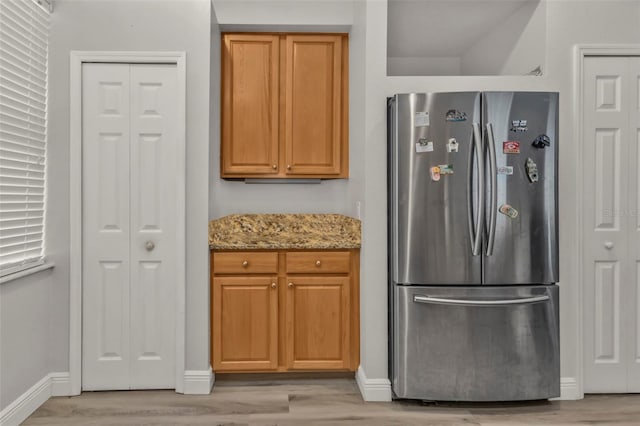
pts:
pixel 471 302
pixel 493 174
pixel 476 231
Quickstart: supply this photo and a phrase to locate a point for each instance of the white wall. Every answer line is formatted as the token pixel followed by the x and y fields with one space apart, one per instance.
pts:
pixel 26 312
pixel 214 106
pixel 432 65
pixel 515 47
pixel 135 26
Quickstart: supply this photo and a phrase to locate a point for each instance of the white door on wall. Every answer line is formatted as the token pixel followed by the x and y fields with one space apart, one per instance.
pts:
pixel 129 154
pixel 611 131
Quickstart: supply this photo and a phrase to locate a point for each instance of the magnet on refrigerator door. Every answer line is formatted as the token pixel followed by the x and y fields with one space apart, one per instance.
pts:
pixel 424 145
pixel 532 170
pixel 541 142
pixel 509 211
pixel 456 116
pixel 421 119
pixel 452 145
pixel 518 126
pixel 505 170
pixel 435 173
pixel 446 169
pixel 511 147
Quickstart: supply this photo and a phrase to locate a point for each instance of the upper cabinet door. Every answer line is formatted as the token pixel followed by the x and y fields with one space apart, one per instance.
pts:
pixel 250 97
pixel 315 115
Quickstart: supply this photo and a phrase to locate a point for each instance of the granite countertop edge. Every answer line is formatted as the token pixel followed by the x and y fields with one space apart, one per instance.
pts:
pixel 285 231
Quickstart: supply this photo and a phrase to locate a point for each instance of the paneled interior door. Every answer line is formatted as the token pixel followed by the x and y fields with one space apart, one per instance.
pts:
pixel 129 151
pixel 611 308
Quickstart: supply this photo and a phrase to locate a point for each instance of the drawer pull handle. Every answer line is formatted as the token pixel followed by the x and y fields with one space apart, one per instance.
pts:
pixel 318 263
pixel 290 285
pixel 273 285
pixel 245 263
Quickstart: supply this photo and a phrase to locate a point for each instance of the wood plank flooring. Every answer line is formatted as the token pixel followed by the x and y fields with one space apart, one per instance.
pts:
pixel 336 401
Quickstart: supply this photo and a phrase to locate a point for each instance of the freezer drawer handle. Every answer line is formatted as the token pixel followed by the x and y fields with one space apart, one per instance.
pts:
pixel 466 302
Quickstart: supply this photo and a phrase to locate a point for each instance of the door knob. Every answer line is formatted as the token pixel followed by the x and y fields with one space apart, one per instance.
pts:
pixel 149 245
pixel 290 285
pixel 273 285
pixel 608 245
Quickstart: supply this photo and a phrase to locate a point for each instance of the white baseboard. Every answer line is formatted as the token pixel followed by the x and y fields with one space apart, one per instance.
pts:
pixel 198 382
pixel 18 411
pixel 60 384
pixel 569 390
pixel 373 389
pixel 53 384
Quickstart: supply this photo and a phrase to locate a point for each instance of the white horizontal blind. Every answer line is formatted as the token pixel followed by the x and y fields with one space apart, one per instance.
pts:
pixel 24 30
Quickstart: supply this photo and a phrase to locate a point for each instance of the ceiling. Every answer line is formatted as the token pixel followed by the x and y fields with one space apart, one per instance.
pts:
pixel 443 28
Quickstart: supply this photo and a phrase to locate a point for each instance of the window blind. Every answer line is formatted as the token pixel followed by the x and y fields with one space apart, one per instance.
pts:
pixel 24 30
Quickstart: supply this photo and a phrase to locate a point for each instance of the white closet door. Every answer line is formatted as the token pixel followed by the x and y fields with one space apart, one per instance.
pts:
pixel 153 225
pixel 105 205
pixel 633 218
pixel 611 224
pixel 129 200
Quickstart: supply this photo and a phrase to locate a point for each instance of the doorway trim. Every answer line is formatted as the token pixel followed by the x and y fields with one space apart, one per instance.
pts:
pixel 77 58
pixel 581 51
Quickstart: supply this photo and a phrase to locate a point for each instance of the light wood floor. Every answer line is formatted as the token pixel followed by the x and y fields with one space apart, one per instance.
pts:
pixel 318 402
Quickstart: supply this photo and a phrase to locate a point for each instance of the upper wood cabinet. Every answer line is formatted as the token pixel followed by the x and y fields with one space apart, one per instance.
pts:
pixel 250 103
pixel 284 106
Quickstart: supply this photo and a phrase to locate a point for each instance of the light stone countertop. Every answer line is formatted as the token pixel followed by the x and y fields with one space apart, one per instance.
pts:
pixel 284 231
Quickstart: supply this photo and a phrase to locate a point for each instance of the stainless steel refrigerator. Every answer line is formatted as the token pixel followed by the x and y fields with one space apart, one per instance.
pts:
pixel 473 246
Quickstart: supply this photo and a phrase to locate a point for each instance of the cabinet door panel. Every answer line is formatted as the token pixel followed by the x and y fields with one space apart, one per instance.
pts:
pixel 317 323
pixel 250 97
pixel 245 323
pixel 313 104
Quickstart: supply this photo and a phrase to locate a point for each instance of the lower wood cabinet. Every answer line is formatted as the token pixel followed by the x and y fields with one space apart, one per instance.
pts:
pixel 245 314
pixel 285 310
pixel 317 322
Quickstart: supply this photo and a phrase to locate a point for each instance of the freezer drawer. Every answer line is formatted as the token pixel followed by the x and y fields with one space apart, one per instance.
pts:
pixel 476 343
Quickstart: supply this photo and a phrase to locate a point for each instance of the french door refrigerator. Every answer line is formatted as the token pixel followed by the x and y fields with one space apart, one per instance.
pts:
pixel 473 246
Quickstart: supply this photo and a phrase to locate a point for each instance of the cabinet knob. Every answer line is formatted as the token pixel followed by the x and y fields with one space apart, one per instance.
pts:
pixel 274 167
pixel 149 245
pixel 608 245
pixel 290 285
pixel 273 285
pixel 288 166
pixel 245 263
pixel 318 263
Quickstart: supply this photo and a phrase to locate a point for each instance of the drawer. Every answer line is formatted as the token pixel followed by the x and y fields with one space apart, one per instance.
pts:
pixel 245 262
pixel 328 262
